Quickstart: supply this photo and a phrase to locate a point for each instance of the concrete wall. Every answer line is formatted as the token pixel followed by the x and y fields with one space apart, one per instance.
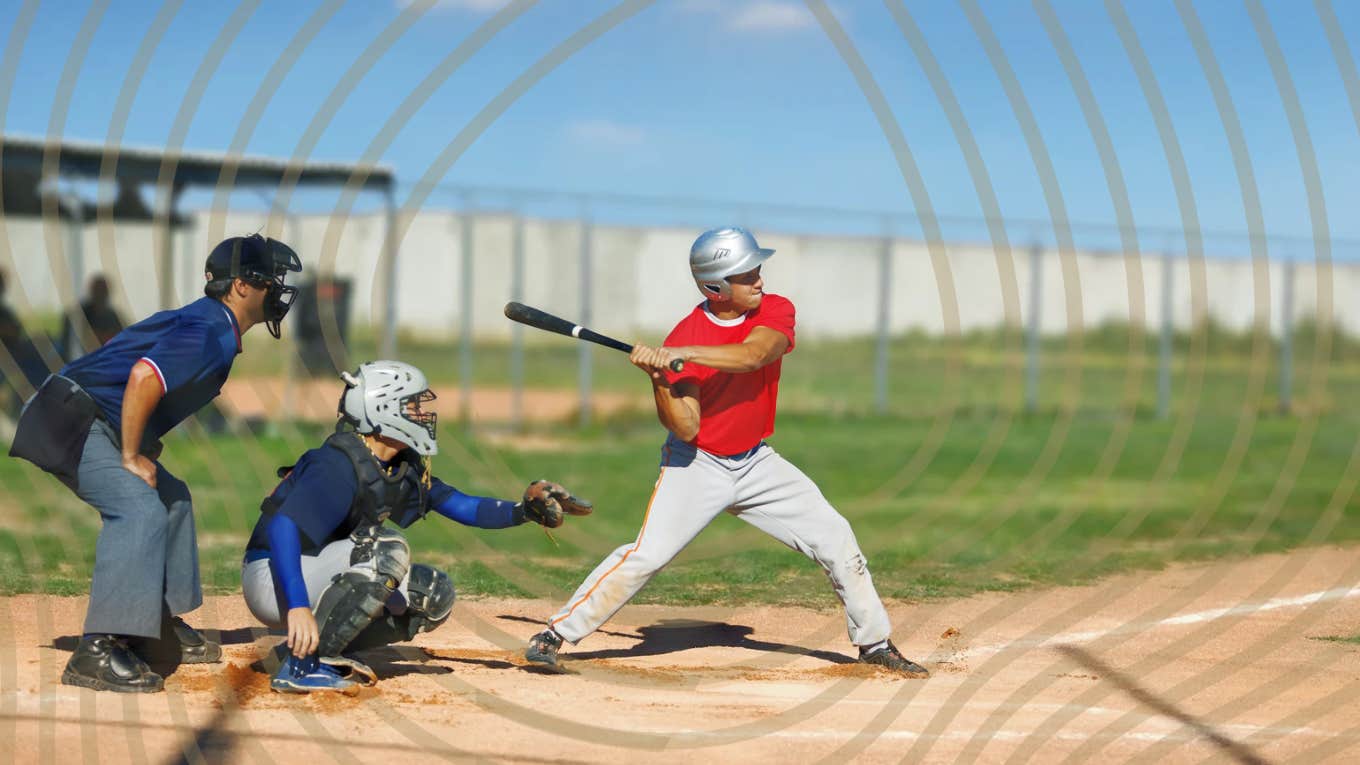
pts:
pixel 639 281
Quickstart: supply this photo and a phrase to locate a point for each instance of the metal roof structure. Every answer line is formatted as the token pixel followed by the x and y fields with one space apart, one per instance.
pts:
pixel 85 159
pixel 29 163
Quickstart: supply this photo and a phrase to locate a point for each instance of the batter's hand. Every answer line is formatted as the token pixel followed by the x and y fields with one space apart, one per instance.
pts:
pixel 653 361
pixel 303 634
pixel 141 467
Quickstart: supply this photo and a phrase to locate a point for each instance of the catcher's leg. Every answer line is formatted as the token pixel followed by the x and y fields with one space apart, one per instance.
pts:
pixel 356 596
pixel 691 490
pixel 777 498
pixel 428 603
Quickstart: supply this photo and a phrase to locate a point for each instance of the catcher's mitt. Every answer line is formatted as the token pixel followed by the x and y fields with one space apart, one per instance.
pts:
pixel 545 503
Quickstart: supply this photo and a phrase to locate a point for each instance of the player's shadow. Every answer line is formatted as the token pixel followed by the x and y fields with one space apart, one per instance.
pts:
pixel 672 635
pixel 395 661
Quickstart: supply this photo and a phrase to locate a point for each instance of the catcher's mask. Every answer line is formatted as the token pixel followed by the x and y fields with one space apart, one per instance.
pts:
pixel 387 398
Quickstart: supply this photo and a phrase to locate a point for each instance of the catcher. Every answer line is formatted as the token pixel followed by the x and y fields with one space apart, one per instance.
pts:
pixel 322 564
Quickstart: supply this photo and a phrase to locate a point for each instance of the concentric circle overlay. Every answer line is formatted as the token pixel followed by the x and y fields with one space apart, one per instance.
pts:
pixel 1102 475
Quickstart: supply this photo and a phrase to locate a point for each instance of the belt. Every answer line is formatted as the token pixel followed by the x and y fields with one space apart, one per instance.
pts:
pixel 741 455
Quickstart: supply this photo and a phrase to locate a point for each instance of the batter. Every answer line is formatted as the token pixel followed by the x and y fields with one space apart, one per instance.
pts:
pixel 718 411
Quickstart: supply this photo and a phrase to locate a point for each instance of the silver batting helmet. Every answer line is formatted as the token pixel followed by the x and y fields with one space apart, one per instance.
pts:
pixel 724 252
pixel 384 398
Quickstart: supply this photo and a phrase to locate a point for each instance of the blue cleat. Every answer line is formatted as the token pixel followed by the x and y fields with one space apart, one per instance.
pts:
pixel 307 675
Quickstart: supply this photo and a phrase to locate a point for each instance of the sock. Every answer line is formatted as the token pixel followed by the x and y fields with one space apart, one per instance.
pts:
pixel 871 648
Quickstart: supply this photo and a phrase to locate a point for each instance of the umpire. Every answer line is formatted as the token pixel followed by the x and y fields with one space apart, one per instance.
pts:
pixel 97 425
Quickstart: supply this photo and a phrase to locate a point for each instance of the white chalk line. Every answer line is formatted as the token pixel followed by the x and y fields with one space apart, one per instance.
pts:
pixel 1179 734
pixel 1198 617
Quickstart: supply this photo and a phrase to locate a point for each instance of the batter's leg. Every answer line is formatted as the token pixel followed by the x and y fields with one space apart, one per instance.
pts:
pixel 690 492
pixel 777 498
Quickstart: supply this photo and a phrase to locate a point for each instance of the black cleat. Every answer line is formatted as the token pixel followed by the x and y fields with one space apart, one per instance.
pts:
pixel 178 644
pixel 105 663
pixel 542 648
pixel 888 656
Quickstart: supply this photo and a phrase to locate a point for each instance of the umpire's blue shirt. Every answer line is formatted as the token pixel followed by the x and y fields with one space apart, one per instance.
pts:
pixel 191 350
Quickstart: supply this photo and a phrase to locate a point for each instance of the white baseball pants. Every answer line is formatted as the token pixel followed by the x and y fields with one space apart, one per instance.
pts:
pixel 760 487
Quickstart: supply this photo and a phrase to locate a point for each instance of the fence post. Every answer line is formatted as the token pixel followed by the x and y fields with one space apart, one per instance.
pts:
pixel 1164 355
pixel 517 329
pixel 1036 257
pixel 389 336
pixel 583 351
pixel 1287 339
pixel 884 322
pixel 465 322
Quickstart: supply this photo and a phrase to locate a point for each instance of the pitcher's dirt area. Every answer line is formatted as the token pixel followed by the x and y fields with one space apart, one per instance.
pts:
pixel 1218 663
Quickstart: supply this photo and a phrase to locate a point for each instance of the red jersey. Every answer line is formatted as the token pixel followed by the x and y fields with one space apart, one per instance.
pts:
pixel 736 411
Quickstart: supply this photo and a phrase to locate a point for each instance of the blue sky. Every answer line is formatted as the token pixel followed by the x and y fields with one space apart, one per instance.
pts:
pixel 746 100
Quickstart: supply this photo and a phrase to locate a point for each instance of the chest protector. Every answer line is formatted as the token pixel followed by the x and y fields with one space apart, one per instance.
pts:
pixel 399 493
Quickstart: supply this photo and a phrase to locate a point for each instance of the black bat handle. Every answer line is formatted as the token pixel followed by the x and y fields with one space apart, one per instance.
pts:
pixel 678 365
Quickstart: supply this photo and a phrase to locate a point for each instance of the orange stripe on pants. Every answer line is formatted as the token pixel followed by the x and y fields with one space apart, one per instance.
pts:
pixel 631 550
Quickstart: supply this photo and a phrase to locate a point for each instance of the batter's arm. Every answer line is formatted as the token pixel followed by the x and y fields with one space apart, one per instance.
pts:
pixel 763 346
pixel 677 406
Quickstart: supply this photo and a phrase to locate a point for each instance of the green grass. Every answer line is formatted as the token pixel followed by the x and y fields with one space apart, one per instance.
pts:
pixel 1354 639
pixel 983 373
pixel 954 489
pixel 1038 511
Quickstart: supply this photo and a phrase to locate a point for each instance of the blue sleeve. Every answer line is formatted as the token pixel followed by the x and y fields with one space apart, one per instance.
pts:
pixel 184 355
pixel 285 560
pixel 318 493
pixel 482 512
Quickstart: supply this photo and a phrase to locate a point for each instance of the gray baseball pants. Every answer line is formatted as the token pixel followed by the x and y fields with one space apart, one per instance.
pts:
pixel 146 557
pixel 265 599
pixel 759 487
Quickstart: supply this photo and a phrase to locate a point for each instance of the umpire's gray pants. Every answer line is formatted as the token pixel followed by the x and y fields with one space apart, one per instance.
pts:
pixel 264 595
pixel 147 554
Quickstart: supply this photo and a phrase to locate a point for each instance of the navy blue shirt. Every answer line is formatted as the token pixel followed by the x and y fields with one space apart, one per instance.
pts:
pixel 191 350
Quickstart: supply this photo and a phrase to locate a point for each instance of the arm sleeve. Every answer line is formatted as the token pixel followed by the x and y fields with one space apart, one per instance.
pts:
pixel 183 356
pixel 285 560
pixel 482 512
pixel 779 316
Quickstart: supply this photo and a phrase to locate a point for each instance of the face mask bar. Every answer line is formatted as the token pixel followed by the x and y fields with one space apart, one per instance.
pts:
pixel 280 296
pixel 411 411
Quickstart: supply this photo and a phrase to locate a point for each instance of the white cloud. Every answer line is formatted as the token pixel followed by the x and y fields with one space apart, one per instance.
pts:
pixel 605 132
pixel 475 6
pixel 770 16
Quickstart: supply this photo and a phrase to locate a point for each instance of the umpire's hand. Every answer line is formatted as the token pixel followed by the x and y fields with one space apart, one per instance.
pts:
pixel 141 467
pixel 303 634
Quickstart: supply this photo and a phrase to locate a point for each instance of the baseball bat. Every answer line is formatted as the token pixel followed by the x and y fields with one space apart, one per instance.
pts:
pixel 543 320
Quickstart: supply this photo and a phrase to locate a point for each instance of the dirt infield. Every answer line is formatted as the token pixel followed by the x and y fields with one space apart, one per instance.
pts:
pixel 1217 663
pixel 314 401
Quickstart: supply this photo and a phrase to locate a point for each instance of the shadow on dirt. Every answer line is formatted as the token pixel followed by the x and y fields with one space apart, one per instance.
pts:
pixel 672 635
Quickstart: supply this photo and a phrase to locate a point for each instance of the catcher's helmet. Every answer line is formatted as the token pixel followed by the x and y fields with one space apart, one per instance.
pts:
pixel 724 252
pixel 259 261
pixel 384 398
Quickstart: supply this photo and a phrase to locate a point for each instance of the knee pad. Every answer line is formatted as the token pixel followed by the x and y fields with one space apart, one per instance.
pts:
pixel 351 602
pixel 431 597
pixel 382 550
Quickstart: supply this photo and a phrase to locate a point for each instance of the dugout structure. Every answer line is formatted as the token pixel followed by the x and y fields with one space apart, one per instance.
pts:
pixel 35 170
